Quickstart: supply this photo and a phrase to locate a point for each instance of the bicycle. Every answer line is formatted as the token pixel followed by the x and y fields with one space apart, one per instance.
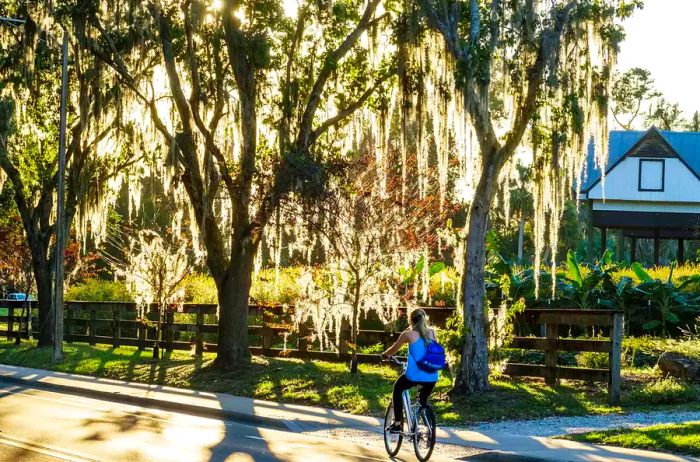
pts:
pixel 421 425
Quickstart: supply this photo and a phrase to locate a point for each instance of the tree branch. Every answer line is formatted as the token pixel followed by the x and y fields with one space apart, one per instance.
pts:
pixel 549 48
pixel 329 65
pixel 350 109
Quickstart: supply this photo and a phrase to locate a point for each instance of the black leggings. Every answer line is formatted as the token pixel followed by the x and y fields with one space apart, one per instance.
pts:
pixel 402 384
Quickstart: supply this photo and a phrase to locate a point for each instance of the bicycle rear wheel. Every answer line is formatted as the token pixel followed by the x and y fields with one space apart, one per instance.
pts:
pixel 424 439
pixel 392 441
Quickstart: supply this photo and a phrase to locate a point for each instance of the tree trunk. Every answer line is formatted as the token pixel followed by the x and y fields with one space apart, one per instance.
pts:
pixel 44 286
pixel 355 327
pixel 521 237
pixel 473 373
pixel 233 292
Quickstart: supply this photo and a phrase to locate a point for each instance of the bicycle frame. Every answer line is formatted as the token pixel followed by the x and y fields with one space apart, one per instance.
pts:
pixel 412 414
pixel 408 407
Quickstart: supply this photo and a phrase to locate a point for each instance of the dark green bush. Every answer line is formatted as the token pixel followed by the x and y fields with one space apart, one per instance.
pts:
pixel 592 360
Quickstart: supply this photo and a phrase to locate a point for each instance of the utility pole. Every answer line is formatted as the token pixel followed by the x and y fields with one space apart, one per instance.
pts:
pixel 60 214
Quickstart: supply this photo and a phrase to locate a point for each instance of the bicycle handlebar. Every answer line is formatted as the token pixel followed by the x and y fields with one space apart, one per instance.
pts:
pixel 393 360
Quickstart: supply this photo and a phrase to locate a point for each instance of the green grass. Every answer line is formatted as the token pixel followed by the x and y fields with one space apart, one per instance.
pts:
pixel 328 384
pixel 679 438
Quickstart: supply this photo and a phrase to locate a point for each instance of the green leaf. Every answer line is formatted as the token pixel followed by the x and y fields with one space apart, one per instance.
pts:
pixel 436 267
pixel 671 317
pixel 670 274
pixel 574 270
pixel 419 265
pixel 651 324
pixel 641 273
pixel 622 285
pixel 687 280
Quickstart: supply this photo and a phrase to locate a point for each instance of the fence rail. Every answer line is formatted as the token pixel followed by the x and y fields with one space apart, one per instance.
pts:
pixel 193 327
pixel 272 333
pixel 551 344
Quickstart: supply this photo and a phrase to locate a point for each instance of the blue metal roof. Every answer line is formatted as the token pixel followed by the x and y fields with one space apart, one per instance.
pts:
pixel 686 144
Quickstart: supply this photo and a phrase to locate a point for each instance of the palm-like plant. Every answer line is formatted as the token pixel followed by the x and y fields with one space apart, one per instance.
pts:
pixel 513 284
pixel 586 288
pixel 668 298
pixel 622 296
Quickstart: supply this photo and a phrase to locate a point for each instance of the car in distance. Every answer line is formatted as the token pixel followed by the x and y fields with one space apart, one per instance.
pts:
pixel 18 296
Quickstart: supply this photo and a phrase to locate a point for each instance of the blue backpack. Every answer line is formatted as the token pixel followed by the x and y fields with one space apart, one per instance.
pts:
pixel 434 358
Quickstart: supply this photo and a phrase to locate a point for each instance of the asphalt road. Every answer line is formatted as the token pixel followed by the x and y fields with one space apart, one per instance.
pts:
pixel 45 426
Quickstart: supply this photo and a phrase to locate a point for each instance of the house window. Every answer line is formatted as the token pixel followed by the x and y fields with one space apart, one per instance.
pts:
pixel 651 174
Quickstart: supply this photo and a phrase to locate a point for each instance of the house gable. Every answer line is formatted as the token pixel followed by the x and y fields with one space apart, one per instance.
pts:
pixel 623 183
pixel 651 145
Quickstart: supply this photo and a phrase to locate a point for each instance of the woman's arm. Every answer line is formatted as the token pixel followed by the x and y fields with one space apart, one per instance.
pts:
pixel 391 351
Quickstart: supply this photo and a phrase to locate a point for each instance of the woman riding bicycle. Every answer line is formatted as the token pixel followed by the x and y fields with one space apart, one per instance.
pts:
pixel 418 338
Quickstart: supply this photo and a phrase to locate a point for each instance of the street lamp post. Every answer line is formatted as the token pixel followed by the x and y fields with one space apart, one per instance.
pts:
pixel 60 214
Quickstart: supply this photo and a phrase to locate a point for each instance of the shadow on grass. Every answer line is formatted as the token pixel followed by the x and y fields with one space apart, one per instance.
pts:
pixel 328 385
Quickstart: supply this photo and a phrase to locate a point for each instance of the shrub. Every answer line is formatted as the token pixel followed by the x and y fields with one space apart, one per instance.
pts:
pixel 646 350
pixel 375 349
pixel 452 338
pixel 200 288
pixel 444 286
pixel 266 292
pixel 592 360
pixel 664 391
pixel 680 273
pixel 99 290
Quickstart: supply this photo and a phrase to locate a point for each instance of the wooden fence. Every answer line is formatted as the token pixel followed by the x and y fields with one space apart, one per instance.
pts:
pixel 193 327
pixel 551 344
pixel 272 333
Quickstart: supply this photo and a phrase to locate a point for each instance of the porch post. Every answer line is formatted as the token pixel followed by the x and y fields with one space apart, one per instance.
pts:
pixel 681 252
pixel 589 232
pixel 633 253
pixel 603 240
pixel 656 247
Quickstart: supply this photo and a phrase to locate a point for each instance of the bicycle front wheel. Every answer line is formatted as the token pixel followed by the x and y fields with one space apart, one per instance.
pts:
pixel 392 441
pixel 424 439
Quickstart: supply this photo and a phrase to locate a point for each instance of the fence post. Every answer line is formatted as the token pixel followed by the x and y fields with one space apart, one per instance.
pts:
pixel 91 325
pixel 169 330
pixel 141 328
pixel 302 342
pixel 199 335
pixel 116 337
pixel 345 335
pixel 10 321
pixel 265 331
pixel 67 323
pixel 615 358
pixel 29 320
pixel 550 355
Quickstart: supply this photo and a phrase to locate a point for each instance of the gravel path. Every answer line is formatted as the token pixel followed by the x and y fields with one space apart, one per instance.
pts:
pixel 555 426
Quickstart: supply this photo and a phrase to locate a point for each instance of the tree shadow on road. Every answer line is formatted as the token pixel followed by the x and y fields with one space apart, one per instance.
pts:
pixel 109 423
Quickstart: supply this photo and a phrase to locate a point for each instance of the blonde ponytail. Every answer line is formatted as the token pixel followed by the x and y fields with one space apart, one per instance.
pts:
pixel 419 322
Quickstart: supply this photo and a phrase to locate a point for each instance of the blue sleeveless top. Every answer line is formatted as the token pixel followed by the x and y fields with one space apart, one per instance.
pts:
pixel 417 350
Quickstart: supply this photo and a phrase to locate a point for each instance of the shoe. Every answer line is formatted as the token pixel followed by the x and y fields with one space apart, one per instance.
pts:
pixel 396 427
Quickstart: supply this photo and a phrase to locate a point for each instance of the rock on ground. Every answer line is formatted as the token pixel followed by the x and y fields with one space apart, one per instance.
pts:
pixel 677 365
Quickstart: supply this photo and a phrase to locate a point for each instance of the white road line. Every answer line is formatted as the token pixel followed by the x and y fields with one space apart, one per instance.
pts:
pixel 46 450
pixel 254 437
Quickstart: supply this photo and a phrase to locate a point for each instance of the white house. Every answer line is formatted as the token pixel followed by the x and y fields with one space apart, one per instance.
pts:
pixel 651 188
